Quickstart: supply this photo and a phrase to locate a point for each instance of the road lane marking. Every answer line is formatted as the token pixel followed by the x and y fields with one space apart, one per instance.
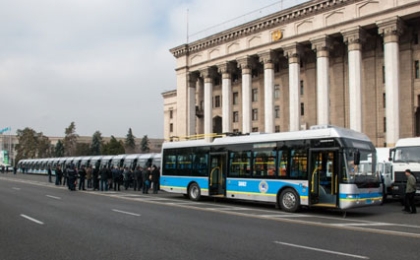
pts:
pixel 125 212
pixel 321 250
pixel 53 197
pixel 32 219
pixel 16 188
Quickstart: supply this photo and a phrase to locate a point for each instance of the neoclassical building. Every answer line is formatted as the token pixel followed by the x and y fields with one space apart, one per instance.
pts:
pixel 350 63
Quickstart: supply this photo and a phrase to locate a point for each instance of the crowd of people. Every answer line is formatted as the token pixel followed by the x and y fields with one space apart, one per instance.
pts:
pixel 106 178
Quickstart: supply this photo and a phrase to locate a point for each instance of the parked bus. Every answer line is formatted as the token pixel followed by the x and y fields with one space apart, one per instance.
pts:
pixel 405 155
pixel 313 168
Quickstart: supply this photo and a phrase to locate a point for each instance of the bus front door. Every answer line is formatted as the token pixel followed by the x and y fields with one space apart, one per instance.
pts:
pixel 217 180
pixel 323 178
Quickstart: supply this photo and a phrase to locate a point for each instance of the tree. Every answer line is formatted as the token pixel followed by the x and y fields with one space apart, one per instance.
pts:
pixel 59 149
pixel 130 142
pixel 83 149
pixel 145 144
pixel 113 147
pixel 70 140
pixel 32 144
pixel 97 143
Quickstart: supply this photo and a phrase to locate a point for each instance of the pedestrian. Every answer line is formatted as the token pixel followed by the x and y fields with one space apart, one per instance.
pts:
pixel 127 178
pixel 65 176
pixel 116 176
pixel 82 176
pixel 14 170
pixel 58 175
pixel 410 191
pixel 95 174
pixel 49 174
pixel 71 177
pixel 155 179
pixel 104 178
pixel 89 176
pixel 138 179
pixel 146 180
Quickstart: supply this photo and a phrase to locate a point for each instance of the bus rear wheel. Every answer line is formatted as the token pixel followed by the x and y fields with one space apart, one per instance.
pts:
pixel 194 192
pixel 289 200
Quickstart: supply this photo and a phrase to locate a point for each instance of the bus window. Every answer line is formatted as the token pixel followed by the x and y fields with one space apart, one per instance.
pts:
pixel 298 164
pixel 200 164
pixel 283 158
pixel 240 164
pixel 264 164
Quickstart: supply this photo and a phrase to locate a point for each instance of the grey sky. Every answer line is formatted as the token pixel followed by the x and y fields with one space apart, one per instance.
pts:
pixel 100 63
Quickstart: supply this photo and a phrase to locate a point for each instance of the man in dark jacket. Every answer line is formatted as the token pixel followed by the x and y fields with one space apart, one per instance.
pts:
pixel 138 179
pixel 104 178
pixel 155 179
pixel 72 177
pixel 82 175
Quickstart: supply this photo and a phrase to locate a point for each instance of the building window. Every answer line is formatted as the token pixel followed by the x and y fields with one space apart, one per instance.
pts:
pixel 255 129
pixel 236 130
pixel 302 109
pixel 171 127
pixel 277 111
pixel 384 124
pixel 254 95
pixel 301 87
pixel 171 114
pixel 416 69
pixel 383 74
pixel 277 129
pixel 254 114
pixel 416 38
pixel 276 91
pixel 254 73
pixel 384 99
pixel 235 116
pixel 235 98
pixel 217 101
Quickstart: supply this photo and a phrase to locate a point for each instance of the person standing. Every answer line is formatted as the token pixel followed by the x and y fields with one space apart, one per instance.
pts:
pixel 72 177
pixel 104 178
pixel 146 181
pixel 49 174
pixel 138 179
pixel 96 178
pixel 58 175
pixel 82 175
pixel 155 179
pixel 89 176
pixel 410 191
pixel 116 176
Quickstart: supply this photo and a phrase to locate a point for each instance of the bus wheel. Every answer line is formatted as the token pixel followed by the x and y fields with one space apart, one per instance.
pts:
pixel 194 192
pixel 289 200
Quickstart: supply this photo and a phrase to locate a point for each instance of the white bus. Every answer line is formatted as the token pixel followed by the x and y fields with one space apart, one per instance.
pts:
pixel 405 155
pixel 313 168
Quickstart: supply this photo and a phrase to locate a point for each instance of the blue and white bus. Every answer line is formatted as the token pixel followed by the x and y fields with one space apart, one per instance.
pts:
pixel 312 168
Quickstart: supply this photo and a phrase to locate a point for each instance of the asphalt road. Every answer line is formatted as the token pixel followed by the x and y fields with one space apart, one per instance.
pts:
pixel 41 221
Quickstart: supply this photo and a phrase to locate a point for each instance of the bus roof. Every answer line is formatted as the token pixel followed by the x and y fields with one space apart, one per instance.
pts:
pixel 405 142
pixel 317 132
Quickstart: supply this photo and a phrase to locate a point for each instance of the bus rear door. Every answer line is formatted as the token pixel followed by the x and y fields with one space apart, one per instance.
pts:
pixel 218 168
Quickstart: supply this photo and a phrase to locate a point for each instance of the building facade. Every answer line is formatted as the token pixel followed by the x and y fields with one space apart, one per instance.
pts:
pixel 350 63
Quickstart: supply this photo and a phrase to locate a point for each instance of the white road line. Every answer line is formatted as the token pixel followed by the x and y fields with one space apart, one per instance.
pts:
pixel 125 212
pixel 362 224
pixel 53 197
pixel 16 188
pixel 321 250
pixel 32 219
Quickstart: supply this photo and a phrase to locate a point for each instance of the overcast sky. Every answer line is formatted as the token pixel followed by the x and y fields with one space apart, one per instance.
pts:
pixel 102 64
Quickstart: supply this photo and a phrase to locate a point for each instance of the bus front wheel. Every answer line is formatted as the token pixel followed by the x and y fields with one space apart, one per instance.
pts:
pixel 289 200
pixel 194 192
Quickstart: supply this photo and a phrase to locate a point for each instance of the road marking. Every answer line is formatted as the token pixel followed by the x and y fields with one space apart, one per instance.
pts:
pixel 321 250
pixel 16 188
pixel 125 212
pixel 32 219
pixel 53 197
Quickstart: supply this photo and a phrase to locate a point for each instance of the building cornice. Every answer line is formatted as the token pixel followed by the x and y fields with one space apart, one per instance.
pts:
pixel 299 12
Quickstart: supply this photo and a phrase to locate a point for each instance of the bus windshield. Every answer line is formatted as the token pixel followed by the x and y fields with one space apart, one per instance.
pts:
pixel 363 173
pixel 407 154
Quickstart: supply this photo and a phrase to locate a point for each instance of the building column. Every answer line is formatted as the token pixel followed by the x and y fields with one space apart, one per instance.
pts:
pixel 191 103
pixel 390 30
pixel 226 70
pixel 245 65
pixel 267 59
pixel 321 46
pixel 208 96
pixel 354 38
pixel 293 53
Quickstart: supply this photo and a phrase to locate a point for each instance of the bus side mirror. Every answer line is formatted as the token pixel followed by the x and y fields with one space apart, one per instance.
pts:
pixel 356 157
